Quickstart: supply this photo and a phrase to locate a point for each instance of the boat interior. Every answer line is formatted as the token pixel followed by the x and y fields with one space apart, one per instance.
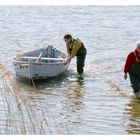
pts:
pixel 48 54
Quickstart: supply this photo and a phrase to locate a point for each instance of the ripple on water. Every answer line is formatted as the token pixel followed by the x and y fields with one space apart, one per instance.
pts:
pixel 100 101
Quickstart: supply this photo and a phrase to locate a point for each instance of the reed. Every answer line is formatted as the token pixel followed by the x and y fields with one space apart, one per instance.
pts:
pixel 18 114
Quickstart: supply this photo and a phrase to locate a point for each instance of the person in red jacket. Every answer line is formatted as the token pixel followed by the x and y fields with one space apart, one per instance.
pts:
pixel 132 66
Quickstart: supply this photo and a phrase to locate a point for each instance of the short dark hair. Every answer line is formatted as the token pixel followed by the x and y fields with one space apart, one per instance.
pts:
pixel 67 36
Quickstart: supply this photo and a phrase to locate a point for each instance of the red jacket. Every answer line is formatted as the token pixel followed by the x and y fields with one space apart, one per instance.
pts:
pixel 131 59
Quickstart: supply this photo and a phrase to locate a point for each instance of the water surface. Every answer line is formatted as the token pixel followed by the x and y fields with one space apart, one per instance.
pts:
pixel 101 101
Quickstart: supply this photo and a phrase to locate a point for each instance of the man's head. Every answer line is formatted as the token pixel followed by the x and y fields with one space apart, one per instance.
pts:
pixel 67 38
pixel 138 46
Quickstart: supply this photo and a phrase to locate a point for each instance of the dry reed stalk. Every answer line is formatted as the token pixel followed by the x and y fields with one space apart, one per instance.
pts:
pixel 21 101
pixel 10 116
pixel 7 72
pixel 6 92
pixel 2 67
pixel 19 53
pixel 31 122
pixel 52 116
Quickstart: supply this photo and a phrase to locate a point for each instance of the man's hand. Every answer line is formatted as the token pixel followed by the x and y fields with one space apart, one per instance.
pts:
pixel 125 76
pixel 67 61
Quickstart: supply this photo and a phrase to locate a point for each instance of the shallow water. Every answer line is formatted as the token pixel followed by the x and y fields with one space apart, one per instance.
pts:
pixel 99 102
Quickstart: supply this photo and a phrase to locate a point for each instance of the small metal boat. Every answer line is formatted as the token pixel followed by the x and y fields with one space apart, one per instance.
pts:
pixel 41 63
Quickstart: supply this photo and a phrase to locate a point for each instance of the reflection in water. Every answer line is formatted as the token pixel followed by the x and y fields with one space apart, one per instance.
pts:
pixel 72 102
pixel 132 115
pixel 75 92
pixel 44 97
pixel 66 104
pixel 42 84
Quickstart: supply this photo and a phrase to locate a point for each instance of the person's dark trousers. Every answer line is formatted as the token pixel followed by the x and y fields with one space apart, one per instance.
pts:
pixel 81 55
pixel 134 75
pixel 80 63
pixel 135 83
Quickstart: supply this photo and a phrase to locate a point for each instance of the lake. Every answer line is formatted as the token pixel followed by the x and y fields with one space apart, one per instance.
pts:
pixel 99 102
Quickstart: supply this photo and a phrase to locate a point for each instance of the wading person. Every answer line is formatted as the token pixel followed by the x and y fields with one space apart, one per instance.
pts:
pixel 75 48
pixel 132 66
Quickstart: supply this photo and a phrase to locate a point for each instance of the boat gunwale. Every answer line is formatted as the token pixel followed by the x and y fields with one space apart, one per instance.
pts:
pixel 39 63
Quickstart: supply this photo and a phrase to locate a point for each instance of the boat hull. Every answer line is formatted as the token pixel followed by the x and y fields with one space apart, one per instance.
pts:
pixel 39 70
pixel 29 68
